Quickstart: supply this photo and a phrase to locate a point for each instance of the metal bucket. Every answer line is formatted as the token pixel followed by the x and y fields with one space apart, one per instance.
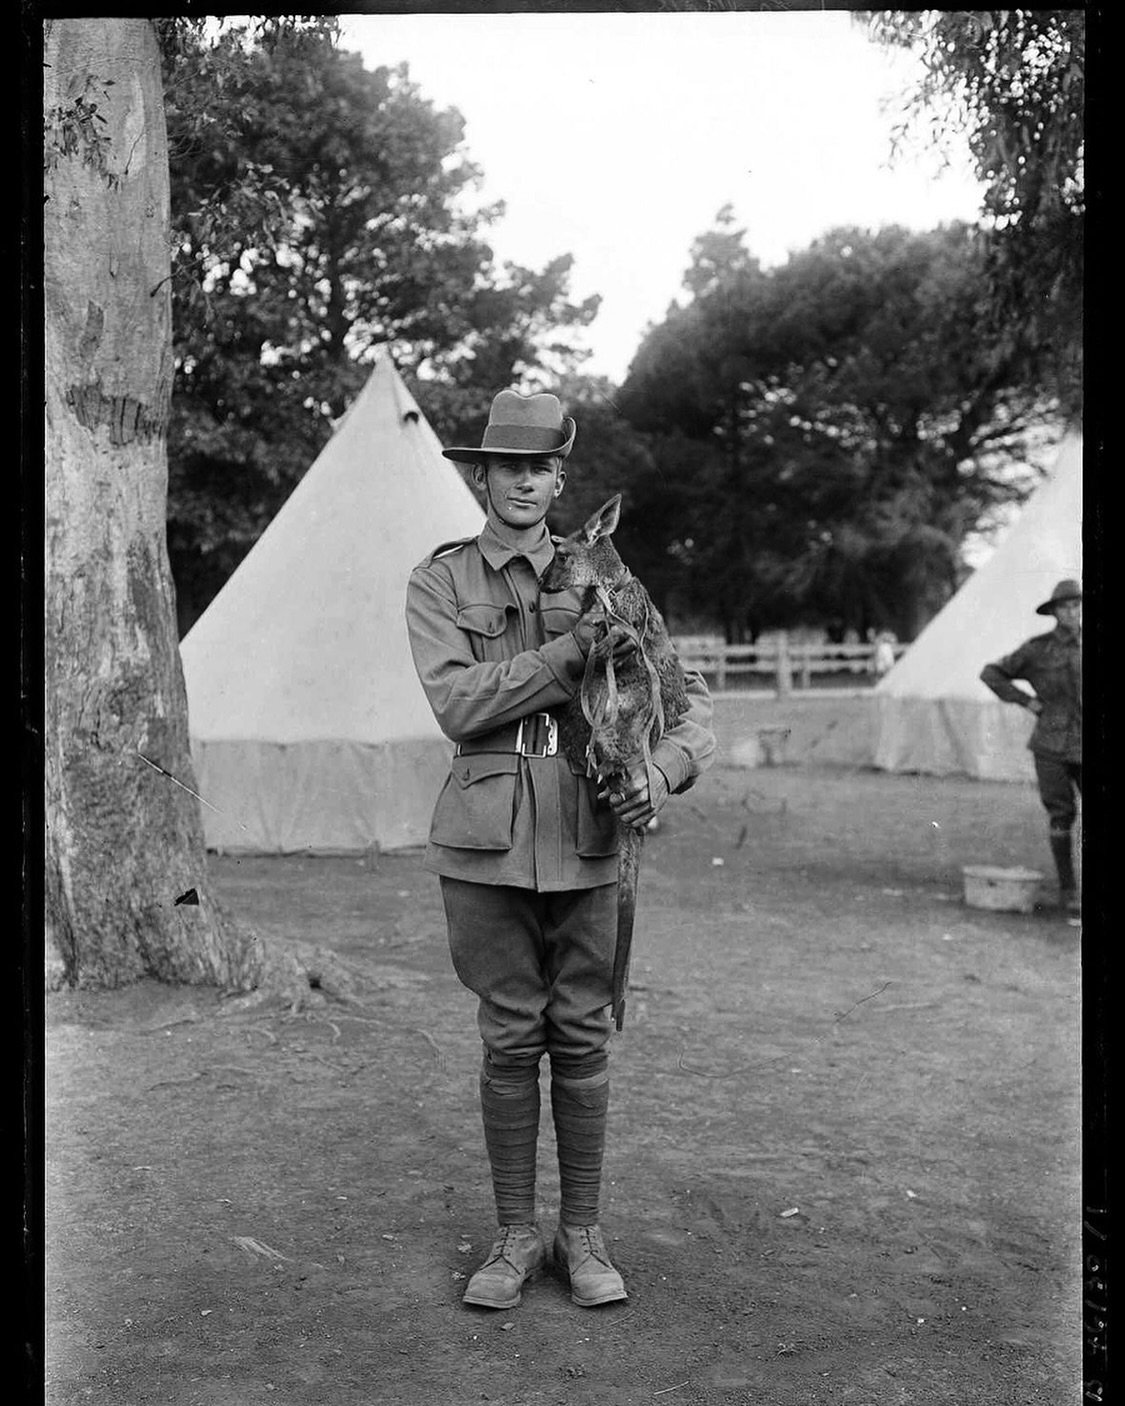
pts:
pixel 1002 890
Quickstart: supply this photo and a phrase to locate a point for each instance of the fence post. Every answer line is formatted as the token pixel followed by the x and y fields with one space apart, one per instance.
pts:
pixel 721 669
pixel 784 669
pixel 806 666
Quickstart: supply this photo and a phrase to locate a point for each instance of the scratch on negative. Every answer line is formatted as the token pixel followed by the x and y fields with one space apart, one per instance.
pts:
pixel 182 787
pixel 765 1064
pixel 843 1015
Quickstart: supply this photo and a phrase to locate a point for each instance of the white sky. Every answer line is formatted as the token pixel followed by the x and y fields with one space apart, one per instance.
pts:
pixel 618 137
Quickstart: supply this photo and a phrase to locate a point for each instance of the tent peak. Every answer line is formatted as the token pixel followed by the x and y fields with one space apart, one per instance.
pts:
pixel 406 406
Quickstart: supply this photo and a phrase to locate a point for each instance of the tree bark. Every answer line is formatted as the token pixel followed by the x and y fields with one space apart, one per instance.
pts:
pixel 124 843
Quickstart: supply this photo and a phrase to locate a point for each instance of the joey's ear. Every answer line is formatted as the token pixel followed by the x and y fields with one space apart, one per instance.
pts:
pixel 603 522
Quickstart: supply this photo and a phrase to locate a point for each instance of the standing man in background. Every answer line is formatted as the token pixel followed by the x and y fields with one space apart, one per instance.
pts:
pixel 524 844
pixel 1052 664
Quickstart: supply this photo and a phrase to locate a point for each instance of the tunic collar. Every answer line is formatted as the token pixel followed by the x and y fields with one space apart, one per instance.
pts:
pixel 498 553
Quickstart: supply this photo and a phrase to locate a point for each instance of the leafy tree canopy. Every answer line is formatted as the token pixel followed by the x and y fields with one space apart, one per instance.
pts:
pixel 321 210
pixel 840 421
pixel 1014 82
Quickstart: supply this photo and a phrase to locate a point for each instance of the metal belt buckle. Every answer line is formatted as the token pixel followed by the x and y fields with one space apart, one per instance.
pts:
pixel 551 745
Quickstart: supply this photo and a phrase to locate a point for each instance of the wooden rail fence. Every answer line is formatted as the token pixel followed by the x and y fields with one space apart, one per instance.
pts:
pixel 790 665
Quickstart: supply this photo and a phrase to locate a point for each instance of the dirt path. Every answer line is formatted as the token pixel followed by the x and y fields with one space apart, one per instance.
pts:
pixel 843 1161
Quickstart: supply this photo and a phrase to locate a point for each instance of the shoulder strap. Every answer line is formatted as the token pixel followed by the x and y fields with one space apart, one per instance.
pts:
pixel 448 548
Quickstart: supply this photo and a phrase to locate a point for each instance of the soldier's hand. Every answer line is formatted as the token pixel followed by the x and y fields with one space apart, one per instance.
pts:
pixel 590 630
pixel 630 799
pixel 1034 705
pixel 619 642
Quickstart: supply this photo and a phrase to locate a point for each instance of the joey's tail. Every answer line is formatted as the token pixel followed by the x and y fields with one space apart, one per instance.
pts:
pixel 628 867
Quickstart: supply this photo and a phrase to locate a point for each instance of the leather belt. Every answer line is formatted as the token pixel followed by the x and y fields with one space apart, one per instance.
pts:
pixel 537 735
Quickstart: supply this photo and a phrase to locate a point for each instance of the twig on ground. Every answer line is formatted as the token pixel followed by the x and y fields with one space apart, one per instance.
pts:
pixel 437 1049
pixel 257 1247
pixel 356 1068
pixel 312 1019
pixel 312 1054
pixel 172 1083
pixel 202 1074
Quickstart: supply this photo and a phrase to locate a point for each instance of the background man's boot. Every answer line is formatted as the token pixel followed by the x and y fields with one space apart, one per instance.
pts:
pixel 1063 854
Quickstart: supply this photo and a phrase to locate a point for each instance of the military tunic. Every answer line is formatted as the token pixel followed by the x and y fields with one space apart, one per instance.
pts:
pixel 490 649
pixel 1052 664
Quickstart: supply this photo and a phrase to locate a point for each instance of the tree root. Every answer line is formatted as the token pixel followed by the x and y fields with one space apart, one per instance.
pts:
pixel 300 976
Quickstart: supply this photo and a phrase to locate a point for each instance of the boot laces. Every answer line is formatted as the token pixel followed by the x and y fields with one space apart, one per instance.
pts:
pixel 505 1241
pixel 592 1242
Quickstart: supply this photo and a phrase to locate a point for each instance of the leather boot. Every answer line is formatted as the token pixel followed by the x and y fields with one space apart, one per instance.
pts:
pixel 1063 855
pixel 518 1254
pixel 581 1254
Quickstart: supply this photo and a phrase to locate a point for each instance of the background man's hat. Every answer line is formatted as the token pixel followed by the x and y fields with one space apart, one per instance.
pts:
pixel 521 426
pixel 1065 590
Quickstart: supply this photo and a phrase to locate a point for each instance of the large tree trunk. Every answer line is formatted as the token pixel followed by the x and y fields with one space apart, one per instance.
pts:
pixel 124 845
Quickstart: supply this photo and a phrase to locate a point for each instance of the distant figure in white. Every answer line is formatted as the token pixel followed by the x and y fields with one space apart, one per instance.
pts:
pixel 884 656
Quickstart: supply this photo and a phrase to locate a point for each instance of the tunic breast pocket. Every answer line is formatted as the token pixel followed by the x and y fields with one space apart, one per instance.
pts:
pixel 485 624
pixel 1052 675
pixel 476 807
pixel 559 611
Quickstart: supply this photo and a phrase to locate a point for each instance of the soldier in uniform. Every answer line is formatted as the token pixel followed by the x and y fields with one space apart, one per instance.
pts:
pixel 524 843
pixel 1052 664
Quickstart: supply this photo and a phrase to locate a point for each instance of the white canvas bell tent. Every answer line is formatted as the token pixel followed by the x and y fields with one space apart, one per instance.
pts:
pixel 933 714
pixel 309 729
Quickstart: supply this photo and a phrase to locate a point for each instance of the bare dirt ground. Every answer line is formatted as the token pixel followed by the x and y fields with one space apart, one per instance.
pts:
pixel 843 1162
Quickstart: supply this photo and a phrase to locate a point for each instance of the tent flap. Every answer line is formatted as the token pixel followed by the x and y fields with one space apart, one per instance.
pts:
pixel 953 737
pixel 318 797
